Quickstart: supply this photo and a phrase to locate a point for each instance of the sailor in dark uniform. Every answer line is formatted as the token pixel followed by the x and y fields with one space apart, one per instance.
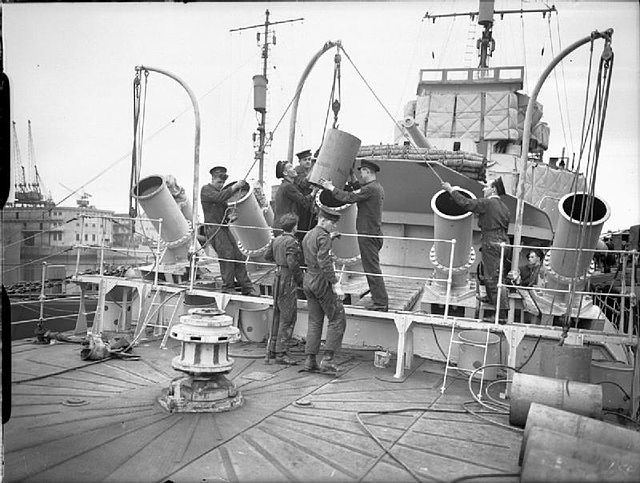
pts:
pixel 493 220
pixel 305 163
pixel 324 293
pixel 216 210
pixel 285 251
pixel 289 198
pixel 369 198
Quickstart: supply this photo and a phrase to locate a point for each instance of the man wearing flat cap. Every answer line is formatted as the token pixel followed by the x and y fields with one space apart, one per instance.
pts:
pixel 213 197
pixel 369 198
pixel 289 198
pixel 324 294
pixel 493 220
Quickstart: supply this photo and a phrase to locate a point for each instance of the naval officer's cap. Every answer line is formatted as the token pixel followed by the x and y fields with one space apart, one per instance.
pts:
pixel 219 172
pixel 369 165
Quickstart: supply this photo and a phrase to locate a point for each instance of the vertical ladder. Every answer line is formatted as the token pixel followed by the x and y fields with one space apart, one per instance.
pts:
pixel 448 365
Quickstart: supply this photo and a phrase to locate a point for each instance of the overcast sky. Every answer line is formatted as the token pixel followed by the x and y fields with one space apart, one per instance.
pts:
pixel 72 68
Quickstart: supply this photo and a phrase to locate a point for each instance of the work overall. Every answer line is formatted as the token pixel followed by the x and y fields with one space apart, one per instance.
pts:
pixel 286 253
pixel 321 299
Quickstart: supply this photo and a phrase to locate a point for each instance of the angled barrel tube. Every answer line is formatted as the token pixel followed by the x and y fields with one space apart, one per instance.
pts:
pixel 414 132
pixel 449 222
pixel 579 227
pixel 156 201
pixel 249 226
pixel 345 248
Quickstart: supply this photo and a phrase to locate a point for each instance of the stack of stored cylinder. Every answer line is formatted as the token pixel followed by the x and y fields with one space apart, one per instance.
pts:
pixel 472 165
pixel 562 446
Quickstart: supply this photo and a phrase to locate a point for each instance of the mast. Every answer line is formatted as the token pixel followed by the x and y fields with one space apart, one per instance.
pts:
pixel 487 44
pixel 260 88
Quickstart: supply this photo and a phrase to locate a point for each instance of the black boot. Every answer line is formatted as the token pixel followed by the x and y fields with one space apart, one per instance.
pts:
pixel 327 364
pixel 310 364
pixel 283 359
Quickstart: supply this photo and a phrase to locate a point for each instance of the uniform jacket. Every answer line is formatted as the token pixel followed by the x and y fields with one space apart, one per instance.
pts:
pixel 370 199
pixel 493 214
pixel 214 202
pixel 289 199
pixel 316 246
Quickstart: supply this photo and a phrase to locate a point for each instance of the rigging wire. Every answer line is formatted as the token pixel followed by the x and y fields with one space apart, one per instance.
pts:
pixel 591 141
pixel 557 88
pixel 149 138
pixel 524 48
pixel 564 82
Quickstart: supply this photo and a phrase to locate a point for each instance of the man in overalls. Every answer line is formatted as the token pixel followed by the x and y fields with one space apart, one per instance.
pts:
pixel 324 294
pixel 285 251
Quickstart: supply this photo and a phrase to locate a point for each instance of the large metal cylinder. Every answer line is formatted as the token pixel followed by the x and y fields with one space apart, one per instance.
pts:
pixel 585 428
pixel 336 158
pixel 345 248
pixel 577 397
pixel 253 242
pixel 449 222
pixel 578 228
pixel 156 201
pixel 610 464
pixel 566 362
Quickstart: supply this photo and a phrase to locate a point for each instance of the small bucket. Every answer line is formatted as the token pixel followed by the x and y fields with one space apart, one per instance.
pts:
pixel 472 352
pixel 253 321
pixel 381 359
pixel 616 379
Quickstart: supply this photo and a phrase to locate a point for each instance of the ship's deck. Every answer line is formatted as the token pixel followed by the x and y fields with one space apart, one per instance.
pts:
pixel 80 421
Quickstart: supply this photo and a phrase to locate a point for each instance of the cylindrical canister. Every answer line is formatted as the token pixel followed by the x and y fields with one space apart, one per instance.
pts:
pixel 580 221
pixel 566 362
pixel 584 428
pixel 336 158
pixel 472 352
pixel 346 247
pixel 449 222
pixel 611 464
pixel 259 93
pixel 157 202
pixel 576 397
pixel 249 227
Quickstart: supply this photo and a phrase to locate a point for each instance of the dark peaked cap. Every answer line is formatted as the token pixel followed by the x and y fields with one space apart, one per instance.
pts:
pixel 304 154
pixel 370 165
pixel 499 186
pixel 219 172
pixel 330 214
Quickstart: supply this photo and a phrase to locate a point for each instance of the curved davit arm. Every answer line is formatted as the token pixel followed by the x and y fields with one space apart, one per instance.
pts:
pixel 294 107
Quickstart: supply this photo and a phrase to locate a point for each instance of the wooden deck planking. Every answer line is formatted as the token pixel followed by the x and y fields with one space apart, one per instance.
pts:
pixel 125 435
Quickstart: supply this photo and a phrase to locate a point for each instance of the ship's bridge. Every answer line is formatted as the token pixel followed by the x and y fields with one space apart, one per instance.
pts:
pixel 482 104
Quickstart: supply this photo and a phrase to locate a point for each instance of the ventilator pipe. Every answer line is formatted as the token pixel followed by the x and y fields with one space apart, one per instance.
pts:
pixel 416 135
pixel 452 222
pixel 579 227
pixel 249 227
pixel 336 158
pixel 156 201
pixel 345 248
